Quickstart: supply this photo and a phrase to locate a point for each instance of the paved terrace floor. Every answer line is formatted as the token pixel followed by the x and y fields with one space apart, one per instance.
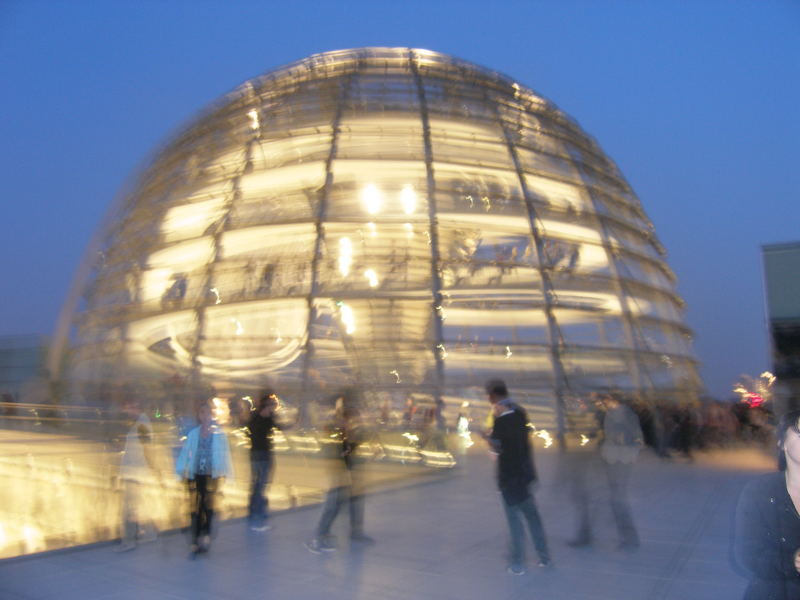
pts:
pixel 436 539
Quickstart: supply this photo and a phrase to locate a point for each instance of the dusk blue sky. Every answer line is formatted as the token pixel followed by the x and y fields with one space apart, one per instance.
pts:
pixel 697 102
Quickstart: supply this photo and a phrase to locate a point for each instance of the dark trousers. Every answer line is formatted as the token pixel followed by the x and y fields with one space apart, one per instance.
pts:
pixel 260 471
pixel 334 500
pixel 514 514
pixel 201 503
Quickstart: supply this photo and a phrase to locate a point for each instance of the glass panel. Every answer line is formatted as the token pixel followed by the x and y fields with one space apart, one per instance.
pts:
pixel 570 198
pixel 369 190
pixel 376 258
pixel 291 147
pixel 520 366
pixel 538 164
pixel 249 339
pixel 593 369
pixel 477 191
pixel 651 303
pixel 386 341
pixel 635 242
pixel 497 322
pixel 459 101
pixel 481 144
pixel 474 255
pixel 278 195
pixel 165 341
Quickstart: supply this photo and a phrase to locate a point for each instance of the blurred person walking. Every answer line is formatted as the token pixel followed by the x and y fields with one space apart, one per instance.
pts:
pixel 137 470
pixel 204 460
pixel 579 466
pixel 259 428
pixel 622 441
pixel 515 473
pixel 766 540
pixel 346 483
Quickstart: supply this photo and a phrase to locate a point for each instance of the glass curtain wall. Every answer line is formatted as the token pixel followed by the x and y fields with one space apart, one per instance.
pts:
pixel 391 218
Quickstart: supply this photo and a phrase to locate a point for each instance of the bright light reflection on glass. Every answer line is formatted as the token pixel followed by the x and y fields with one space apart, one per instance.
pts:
pixel 409 199
pixel 239 328
pixel 254 123
pixel 348 319
pixel 372 199
pixel 545 435
pixel 372 277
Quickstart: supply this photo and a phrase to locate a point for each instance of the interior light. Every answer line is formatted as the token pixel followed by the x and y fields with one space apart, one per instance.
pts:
pixel 372 199
pixel 254 122
pixel 348 319
pixel 372 277
pixel 409 198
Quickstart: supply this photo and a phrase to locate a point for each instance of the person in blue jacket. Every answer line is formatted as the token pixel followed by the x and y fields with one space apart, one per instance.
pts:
pixel 204 461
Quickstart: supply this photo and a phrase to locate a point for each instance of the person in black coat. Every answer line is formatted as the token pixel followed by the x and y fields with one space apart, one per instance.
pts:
pixel 767 528
pixel 515 474
pixel 259 429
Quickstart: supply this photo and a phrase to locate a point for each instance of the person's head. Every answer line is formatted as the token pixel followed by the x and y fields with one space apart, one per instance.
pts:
pixel 788 434
pixel 496 390
pixel 608 400
pixel 205 412
pixel 267 402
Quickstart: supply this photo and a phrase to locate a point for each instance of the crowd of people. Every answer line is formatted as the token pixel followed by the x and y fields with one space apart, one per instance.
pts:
pixel 766 538
pixel 679 429
pixel 204 461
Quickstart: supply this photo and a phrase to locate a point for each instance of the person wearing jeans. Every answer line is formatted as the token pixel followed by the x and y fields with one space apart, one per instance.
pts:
pixel 515 473
pixel 346 486
pixel 260 428
pixel 334 500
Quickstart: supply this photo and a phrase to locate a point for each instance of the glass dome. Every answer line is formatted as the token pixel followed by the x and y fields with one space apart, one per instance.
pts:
pixel 393 218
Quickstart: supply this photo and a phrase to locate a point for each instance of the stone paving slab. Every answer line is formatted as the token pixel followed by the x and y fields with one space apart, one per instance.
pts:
pixel 436 539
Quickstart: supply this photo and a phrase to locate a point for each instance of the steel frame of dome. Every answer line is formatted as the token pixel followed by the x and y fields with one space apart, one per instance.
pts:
pixel 392 217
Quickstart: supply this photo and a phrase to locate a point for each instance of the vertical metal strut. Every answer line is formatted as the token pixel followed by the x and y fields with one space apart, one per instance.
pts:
pixel 438 348
pixel 319 222
pixel 628 322
pixel 219 228
pixel 555 339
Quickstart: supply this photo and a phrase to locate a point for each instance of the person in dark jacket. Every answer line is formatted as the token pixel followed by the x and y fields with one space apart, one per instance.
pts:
pixel 259 428
pixel 767 529
pixel 515 474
